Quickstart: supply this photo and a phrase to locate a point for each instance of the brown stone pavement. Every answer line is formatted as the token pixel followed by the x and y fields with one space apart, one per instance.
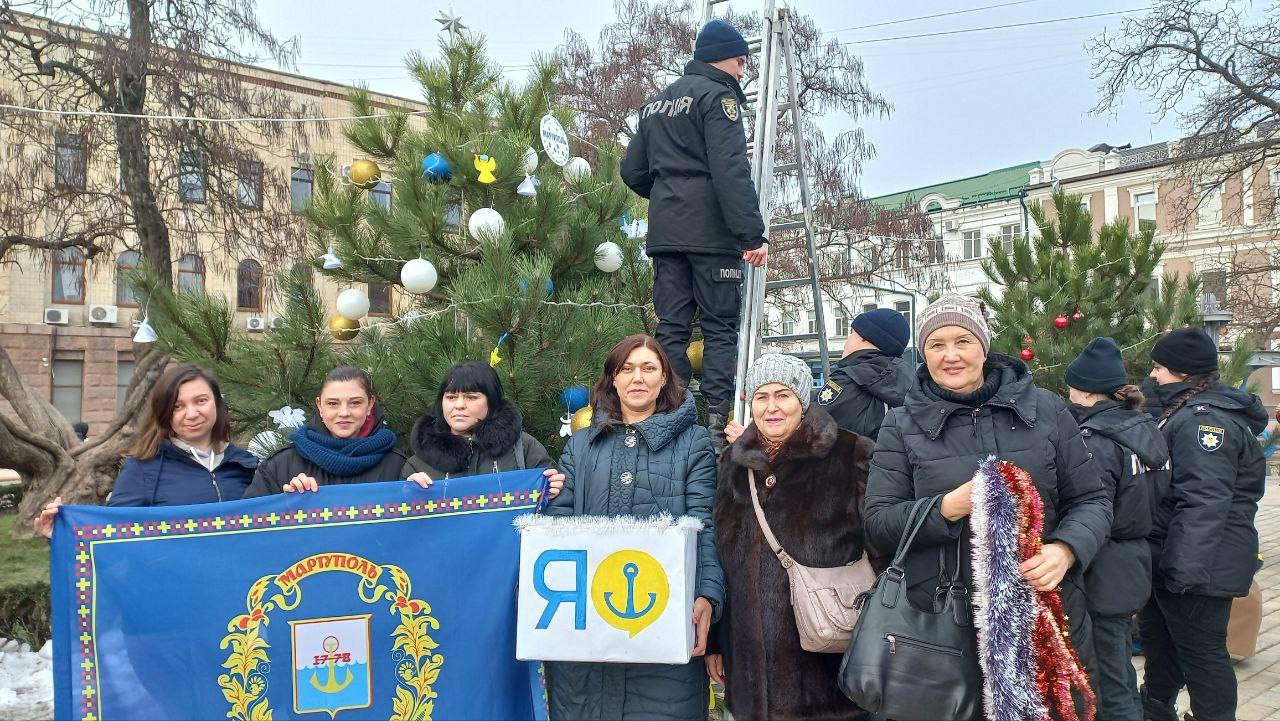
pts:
pixel 1259 676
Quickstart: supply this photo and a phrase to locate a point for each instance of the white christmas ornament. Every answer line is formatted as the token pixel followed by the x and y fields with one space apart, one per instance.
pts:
pixel 530 161
pixel 288 417
pixel 331 261
pixel 555 142
pixel 608 256
pixel 577 169
pixel 145 334
pixel 528 188
pixel 352 304
pixel 485 222
pixel 418 276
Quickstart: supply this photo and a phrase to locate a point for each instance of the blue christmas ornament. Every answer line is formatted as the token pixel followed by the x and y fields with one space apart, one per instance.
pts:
pixel 551 287
pixel 435 168
pixel 575 398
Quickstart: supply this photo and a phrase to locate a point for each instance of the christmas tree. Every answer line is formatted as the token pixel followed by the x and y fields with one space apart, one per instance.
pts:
pixel 1066 286
pixel 501 247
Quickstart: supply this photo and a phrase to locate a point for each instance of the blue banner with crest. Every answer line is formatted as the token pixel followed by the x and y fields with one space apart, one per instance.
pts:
pixel 363 601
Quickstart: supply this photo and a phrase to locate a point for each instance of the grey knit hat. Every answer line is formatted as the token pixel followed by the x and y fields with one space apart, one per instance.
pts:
pixel 968 313
pixel 788 370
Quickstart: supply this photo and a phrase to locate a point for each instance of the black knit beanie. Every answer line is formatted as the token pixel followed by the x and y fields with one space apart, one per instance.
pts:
pixel 1186 350
pixel 1099 369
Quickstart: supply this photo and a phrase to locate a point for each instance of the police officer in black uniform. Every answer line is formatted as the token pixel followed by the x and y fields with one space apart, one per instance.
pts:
pixel 869 378
pixel 1204 544
pixel 689 158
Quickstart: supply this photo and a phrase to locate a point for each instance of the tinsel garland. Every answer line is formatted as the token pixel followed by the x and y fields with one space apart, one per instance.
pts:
pixel 1029 666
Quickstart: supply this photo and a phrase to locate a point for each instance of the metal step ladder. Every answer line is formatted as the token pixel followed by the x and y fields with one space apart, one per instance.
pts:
pixel 775 49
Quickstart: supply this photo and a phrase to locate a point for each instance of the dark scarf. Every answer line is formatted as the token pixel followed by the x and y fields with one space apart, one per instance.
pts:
pixel 985 392
pixel 343 456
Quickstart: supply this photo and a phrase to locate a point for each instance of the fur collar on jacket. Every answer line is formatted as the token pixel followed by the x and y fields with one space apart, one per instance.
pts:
pixel 812 439
pixel 433 442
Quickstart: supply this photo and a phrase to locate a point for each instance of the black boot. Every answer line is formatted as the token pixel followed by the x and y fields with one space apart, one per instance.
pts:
pixel 1156 710
pixel 715 426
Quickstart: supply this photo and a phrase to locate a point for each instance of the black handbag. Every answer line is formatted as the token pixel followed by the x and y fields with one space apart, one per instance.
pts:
pixel 905 663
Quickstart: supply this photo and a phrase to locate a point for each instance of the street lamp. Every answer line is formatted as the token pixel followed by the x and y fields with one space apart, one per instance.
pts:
pixel 1215 318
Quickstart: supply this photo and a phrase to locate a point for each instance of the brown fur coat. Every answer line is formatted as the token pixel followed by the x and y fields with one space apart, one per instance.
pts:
pixel 815 510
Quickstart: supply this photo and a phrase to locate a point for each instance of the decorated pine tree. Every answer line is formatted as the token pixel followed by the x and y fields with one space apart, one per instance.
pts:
pixel 1064 286
pixel 499 246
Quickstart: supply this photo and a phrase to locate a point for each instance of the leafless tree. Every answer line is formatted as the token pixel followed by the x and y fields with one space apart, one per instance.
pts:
pixel 1216 68
pixel 126 179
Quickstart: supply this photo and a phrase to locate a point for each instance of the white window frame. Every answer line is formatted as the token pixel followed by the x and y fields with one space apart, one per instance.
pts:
pixel 1008 233
pixel 1215 219
pixel 841 323
pixel 1086 205
pixel 811 321
pixel 971 244
pixel 1137 206
pixel 789 321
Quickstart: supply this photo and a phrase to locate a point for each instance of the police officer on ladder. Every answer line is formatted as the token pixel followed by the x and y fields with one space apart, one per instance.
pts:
pixel 689 158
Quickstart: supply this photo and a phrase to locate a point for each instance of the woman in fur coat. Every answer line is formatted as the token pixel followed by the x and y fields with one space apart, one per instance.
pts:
pixel 811 479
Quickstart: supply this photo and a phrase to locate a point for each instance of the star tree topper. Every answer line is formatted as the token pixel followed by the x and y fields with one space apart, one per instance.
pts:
pixel 450 23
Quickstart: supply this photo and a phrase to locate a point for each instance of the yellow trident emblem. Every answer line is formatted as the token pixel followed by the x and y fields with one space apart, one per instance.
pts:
pixel 486 165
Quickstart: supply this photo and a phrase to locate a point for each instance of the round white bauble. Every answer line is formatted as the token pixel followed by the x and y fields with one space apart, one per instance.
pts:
pixel 530 161
pixel 353 304
pixel 608 256
pixel 485 222
pixel 418 276
pixel 577 169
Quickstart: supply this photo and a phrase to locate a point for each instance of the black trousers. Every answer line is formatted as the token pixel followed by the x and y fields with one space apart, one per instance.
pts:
pixel 1115 681
pixel 1184 637
pixel 710 284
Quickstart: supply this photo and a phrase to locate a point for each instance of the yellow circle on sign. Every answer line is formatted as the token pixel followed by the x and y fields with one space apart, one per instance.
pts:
pixel 630 590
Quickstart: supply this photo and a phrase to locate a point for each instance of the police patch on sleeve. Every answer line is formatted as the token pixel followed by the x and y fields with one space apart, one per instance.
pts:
pixel 1210 438
pixel 730 106
pixel 829 393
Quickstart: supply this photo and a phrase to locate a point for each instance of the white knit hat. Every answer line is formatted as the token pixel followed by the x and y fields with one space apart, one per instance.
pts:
pixel 788 370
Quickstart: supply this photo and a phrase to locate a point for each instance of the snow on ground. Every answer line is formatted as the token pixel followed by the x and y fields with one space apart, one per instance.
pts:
pixel 26 682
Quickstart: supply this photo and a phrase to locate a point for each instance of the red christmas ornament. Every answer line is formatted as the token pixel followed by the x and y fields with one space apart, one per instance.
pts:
pixel 1077 316
pixel 1027 354
pixel 1061 322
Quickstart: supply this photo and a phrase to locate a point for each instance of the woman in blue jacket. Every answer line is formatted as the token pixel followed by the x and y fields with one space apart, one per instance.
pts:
pixel 183 452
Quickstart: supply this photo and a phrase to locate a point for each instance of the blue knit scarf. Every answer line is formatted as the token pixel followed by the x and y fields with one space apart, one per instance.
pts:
pixel 343 456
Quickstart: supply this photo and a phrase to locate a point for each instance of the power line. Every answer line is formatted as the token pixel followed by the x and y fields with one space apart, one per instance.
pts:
pixel 995 27
pixel 928 17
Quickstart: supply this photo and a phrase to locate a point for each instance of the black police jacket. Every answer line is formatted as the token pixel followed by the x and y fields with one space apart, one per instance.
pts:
pixel 1133 459
pixel 1203 539
pixel 689 158
pixel 862 386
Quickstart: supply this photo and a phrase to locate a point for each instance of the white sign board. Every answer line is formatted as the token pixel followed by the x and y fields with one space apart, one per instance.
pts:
pixel 554 140
pixel 607 589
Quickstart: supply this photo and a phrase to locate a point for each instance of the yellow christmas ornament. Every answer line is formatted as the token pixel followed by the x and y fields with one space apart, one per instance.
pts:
pixel 364 174
pixel 695 356
pixel 581 419
pixel 343 328
pixel 486 165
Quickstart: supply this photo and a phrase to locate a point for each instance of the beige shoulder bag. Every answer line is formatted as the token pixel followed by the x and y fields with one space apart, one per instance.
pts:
pixel 822 598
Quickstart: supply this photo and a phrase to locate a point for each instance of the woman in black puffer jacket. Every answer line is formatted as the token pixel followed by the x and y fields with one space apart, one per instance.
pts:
pixel 1133 458
pixel 967 405
pixel 345 442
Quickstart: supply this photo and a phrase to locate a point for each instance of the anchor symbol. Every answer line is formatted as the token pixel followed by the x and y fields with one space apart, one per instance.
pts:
pixel 630 570
pixel 330 645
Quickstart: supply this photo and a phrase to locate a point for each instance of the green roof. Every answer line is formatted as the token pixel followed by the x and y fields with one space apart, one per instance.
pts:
pixel 995 185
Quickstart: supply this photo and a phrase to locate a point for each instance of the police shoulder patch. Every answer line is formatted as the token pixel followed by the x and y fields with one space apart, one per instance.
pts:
pixel 730 106
pixel 829 393
pixel 1210 438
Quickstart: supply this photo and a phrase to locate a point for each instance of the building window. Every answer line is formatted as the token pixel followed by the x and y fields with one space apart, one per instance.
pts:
pixel 191 177
pixel 1209 212
pixel 972 240
pixel 841 324
pixel 68 388
pixel 300 186
pixel 935 251
pixel 68 276
pixel 789 323
pixel 1144 210
pixel 381 195
pixel 1275 182
pixel 249 285
pixel 1214 282
pixel 933 206
pixel 125 263
pixel 811 321
pixel 249 184
pixel 124 374
pixel 190 274
pixel 379 299
pixel 904 307
pixel 1009 233
pixel 868 307
pixel 1084 204
pixel 70 166
pixel 901 259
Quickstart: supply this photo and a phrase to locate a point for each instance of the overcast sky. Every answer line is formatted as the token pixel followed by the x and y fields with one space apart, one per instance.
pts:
pixel 964 103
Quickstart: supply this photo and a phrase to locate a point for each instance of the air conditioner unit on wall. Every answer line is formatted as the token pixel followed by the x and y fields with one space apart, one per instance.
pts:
pixel 103 314
pixel 256 324
pixel 57 316
pixel 302 156
pixel 950 226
